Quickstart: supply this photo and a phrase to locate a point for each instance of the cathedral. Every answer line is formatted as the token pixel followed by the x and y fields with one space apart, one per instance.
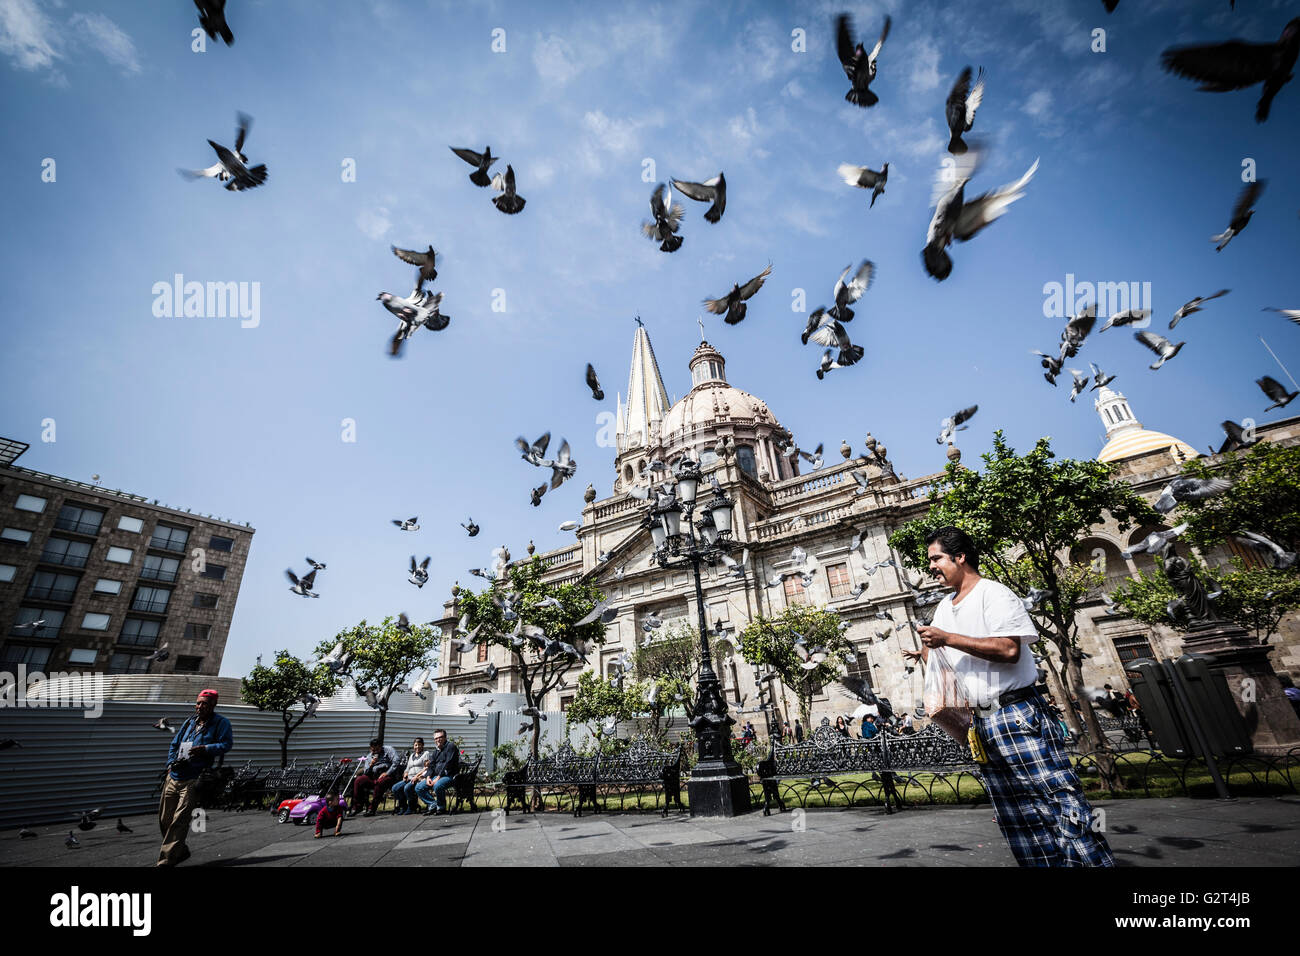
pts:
pixel 738 440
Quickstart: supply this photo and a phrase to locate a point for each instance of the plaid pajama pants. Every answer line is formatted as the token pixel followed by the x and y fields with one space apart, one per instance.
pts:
pixel 1035 792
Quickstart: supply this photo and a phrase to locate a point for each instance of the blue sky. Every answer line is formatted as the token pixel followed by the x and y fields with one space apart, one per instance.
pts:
pixel 1137 171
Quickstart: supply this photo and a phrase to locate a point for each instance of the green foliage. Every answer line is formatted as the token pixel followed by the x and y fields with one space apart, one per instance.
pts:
pixel 282 686
pixel 1264 497
pixel 672 660
pixel 599 700
pixel 769 644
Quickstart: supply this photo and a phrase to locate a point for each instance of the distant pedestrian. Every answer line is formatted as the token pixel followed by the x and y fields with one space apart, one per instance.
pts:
pixel 798 731
pixel 195 748
pixel 869 728
pixel 841 726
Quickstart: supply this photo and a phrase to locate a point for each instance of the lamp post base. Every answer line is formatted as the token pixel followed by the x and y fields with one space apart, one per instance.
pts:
pixel 718 790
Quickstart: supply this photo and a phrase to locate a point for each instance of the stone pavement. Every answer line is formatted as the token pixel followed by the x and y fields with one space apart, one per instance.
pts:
pixel 1255 831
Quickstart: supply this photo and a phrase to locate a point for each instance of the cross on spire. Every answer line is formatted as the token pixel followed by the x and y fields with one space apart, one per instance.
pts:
pixel 700 320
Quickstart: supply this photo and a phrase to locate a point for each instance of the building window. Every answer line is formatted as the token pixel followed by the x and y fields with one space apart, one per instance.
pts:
pixel 482 653
pixel 7 572
pixel 127 523
pixel 152 600
pixel 216 543
pixel 26 615
pixel 1133 648
pixel 94 622
pixel 65 551
pixel 215 571
pixel 120 555
pixel 203 599
pixel 17 535
pixel 188 665
pixel 167 538
pixel 794 590
pixel 1249 556
pixel 158 568
pixel 82 655
pixel 36 658
pixel 708 457
pixel 30 503
pixel 138 631
pixel 565 703
pixel 128 664
pixel 745 459
pixel 838 576
pixel 108 586
pixel 78 519
pixel 48 586
pixel 197 632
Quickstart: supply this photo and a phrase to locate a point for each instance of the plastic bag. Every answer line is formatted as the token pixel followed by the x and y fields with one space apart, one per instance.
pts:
pixel 945 699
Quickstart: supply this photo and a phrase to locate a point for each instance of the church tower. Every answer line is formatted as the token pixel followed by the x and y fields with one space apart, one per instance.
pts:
pixel 639 420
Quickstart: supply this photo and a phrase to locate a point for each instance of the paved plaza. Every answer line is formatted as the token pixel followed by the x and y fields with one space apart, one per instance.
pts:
pixel 1255 831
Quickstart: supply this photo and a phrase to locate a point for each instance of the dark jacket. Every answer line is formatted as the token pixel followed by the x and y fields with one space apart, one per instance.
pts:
pixel 445 762
pixel 216 738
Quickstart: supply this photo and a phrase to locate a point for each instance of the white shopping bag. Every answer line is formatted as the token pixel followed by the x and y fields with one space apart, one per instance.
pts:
pixel 946 702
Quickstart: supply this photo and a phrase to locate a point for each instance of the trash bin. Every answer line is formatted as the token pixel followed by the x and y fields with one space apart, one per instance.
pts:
pixel 1152 686
pixel 1213 708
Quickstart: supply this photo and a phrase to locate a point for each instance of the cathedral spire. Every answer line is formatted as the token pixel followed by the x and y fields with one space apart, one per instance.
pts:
pixel 647 400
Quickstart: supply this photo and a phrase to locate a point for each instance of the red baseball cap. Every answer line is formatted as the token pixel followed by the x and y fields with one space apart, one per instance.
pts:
pixel 205 694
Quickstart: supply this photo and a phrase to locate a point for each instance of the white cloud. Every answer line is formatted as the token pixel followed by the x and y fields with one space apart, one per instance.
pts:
pixel 374 223
pixel 107 37
pixel 611 135
pixel 25 35
pixel 925 65
pixel 1038 103
pixel 554 60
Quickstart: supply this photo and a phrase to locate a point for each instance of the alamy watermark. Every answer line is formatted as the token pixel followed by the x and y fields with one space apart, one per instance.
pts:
pixel 1061 300
pixel 210 300
pixel 57 689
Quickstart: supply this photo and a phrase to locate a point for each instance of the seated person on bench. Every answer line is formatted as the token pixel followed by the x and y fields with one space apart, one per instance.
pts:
pixel 443 767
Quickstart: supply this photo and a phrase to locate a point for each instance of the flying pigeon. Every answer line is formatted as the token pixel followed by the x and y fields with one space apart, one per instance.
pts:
pixel 423 261
pixel 1292 314
pixel 1279 558
pixel 603 610
pixel 1187 308
pixel 419 575
pixel 1127 317
pixel 1157 542
pixel 470 527
pixel 711 191
pixel 1077 328
pixel 418 310
pixel 315 565
pixel 410 524
pixel 164 652
pixel 1160 345
pixel 1237 438
pixel 1236 64
pixel 667 219
pixel 830 331
pixel 563 467
pixel 87 821
pixel 865 178
pixel 1189 489
pixel 1034 600
pixel 961 219
pixel 593 383
pixel 231 167
pixel 846 293
pixel 163 723
pixel 212 18
pixel 863 482
pixel 1080 383
pixel 963 101
pixel 535 453
pixel 509 202
pixel 480 162
pixel 403 622
pixel 1099 378
pixel 859 65
pixel 1244 209
pixel 1052 364
pixel 569 526
pixel 36 626
pixel 954 423
pixel 303 585
pixel 1276 392
pixel 732 306
pixel 491 671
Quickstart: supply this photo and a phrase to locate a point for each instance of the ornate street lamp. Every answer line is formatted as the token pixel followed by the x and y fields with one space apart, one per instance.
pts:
pixel 718 786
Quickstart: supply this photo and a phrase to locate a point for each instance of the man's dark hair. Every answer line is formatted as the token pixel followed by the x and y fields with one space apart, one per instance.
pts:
pixel 954 541
pixel 440 731
pixel 421 741
pixel 376 742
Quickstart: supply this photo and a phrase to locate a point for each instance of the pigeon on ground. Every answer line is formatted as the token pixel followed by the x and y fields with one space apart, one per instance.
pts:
pixel 1236 64
pixel 470 527
pixel 1080 383
pixel 212 18
pixel 410 524
pixel 954 423
pixel 71 841
pixel 593 383
pixel 1099 378
pixel 963 101
pixel 1187 308
pixel 1189 489
pixel 563 467
pixel 423 261
pixel 667 220
pixel 846 293
pixel 959 219
pixel 859 65
pixel 480 161
pixel 1127 317
pixel 1157 542
pixel 232 167
pixel 710 191
pixel 1279 558
pixel 509 202
pixel 302 586
pixel 1160 345
pixel 1292 314
pixel 1276 392
pixel 865 178
pixel 419 575
pixel 732 306
pixel 1241 212
pixel 535 453
pixel 88 818
pixel 26 834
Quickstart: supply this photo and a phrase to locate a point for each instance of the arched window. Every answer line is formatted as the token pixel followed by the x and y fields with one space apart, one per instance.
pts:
pixel 745 459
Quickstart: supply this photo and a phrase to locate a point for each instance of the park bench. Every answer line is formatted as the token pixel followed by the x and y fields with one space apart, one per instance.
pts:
pixel 888 758
pixel 636 770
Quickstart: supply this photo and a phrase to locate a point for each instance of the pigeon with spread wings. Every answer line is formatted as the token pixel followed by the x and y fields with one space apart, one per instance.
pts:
pixel 711 191
pixel 732 306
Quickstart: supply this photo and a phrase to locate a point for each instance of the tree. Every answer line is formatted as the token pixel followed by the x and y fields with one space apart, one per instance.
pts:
pixel 599 700
pixel 537 623
pixel 288 683
pixel 770 643
pixel 672 664
pixel 1254 598
pixel 382 656
pixel 1264 497
pixel 1024 512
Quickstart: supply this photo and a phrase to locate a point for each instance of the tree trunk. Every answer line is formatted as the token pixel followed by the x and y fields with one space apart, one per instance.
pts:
pixel 284 751
pixel 1094 737
pixel 1058 692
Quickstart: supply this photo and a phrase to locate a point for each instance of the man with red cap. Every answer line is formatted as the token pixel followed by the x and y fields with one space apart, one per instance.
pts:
pixel 195 748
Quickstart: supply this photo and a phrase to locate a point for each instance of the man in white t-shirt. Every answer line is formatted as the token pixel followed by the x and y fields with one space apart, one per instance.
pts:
pixel 985 632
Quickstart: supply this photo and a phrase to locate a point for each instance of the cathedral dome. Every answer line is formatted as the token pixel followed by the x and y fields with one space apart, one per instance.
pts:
pixel 1125 436
pixel 711 401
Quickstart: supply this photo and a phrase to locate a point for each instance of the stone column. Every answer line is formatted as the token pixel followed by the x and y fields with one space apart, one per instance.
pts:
pixel 1273 725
